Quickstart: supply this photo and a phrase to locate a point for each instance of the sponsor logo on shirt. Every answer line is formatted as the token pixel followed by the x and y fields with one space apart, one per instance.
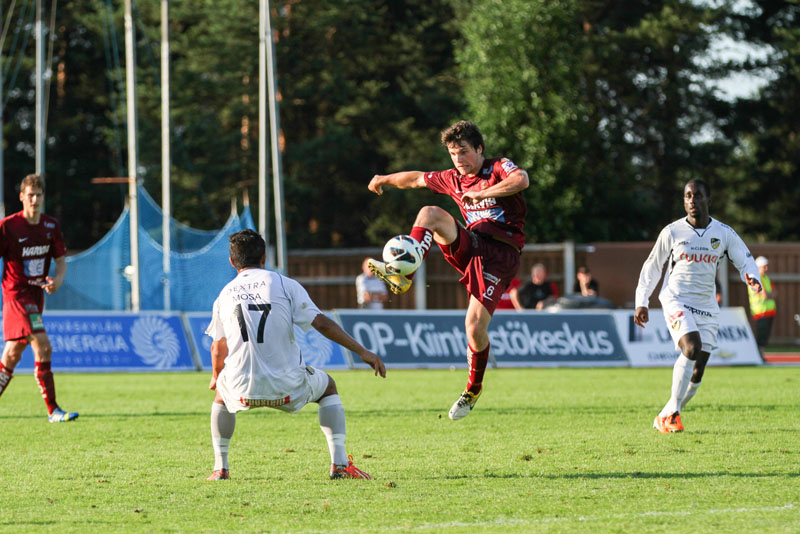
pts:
pixel 23 239
pixel 482 205
pixel 35 251
pixel 49 225
pixel 699 258
pixel 495 213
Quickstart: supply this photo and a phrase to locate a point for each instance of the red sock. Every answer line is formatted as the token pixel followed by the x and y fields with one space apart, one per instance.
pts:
pixel 425 238
pixel 44 377
pixel 477 366
pixel 5 377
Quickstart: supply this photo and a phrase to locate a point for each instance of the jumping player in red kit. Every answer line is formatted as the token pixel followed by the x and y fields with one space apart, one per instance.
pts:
pixel 29 239
pixel 486 253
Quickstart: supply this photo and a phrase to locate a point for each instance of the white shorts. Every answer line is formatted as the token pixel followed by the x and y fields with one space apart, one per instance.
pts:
pixel 682 319
pixel 312 388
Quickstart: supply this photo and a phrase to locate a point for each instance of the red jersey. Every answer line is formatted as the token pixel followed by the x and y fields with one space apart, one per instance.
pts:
pixel 502 217
pixel 27 249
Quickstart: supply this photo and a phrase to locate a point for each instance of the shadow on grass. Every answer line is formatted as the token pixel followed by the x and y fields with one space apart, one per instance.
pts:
pixel 86 415
pixel 633 476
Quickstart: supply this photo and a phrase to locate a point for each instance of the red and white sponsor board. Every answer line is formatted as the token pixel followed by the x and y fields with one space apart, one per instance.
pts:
pixel 652 346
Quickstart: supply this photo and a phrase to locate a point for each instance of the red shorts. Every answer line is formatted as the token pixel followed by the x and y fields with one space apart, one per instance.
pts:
pixel 22 315
pixel 487 266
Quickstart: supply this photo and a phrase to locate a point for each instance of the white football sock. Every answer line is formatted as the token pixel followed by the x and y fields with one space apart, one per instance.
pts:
pixel 332 423
pixel 681 375
pixel 691 392
pixel 222 425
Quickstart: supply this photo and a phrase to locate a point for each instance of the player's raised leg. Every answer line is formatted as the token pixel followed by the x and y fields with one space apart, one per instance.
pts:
pixel 223 423
pixel 432 223
pixel 477 329
pixel 333 425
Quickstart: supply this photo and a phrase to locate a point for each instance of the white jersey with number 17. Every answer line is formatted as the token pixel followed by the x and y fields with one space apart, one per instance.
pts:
pixel 694 255
pixel 256 313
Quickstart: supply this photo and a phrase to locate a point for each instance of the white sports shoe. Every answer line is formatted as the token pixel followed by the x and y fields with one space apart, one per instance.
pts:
pixel 464 405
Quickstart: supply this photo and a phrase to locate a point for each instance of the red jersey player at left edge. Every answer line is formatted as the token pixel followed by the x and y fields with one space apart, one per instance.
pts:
pixel 29 240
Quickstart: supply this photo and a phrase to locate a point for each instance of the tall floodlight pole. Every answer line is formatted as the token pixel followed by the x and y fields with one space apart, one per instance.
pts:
pixel 274 121
pixel 263 227
pixel 165 150
pixel 133 154
pixel 39 129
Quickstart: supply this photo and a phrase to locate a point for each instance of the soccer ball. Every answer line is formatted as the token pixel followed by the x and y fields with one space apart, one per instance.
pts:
pixel 402 255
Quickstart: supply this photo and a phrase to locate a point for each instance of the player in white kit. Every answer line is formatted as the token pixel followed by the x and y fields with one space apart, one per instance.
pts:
pixel 257 362
pixel 693 247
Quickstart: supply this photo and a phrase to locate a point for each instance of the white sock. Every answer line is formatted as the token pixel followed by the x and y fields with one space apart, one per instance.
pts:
pixel 332 423
pixel 691 392
pixel 222 425
pixel 681 375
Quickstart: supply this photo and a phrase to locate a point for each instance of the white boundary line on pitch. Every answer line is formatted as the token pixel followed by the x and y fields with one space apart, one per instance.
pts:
pixel 577 519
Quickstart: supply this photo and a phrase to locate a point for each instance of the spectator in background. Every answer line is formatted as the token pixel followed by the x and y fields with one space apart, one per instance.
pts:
pixel 509 300
pixel 762 304
pixel 586 285
pixel 534 294
pixel 370 290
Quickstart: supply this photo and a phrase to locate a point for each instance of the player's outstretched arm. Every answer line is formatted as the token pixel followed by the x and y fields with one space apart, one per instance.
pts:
pixel 328 328
pixel 400 180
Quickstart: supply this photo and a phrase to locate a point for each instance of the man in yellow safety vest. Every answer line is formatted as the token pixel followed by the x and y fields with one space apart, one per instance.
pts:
pixel 762 304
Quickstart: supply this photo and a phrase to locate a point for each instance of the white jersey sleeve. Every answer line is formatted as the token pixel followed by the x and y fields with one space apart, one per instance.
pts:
pixel 740 256
pixel 216 328
pixel 652 268
pixel 304 311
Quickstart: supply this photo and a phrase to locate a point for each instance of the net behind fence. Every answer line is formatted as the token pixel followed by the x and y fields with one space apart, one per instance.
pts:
pixel 199 266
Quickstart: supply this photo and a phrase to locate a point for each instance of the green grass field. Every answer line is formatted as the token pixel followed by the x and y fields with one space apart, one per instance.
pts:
pixel 546 450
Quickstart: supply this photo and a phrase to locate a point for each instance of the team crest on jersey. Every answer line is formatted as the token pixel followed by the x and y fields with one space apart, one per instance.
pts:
pixel 676 325
pixel 715 243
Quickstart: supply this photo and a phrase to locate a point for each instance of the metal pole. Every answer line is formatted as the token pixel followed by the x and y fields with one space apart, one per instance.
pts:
pixel 569 266
pixel 262 122
pixel 133 153
pixel 39 150
pixel 277 173
pixel 166 211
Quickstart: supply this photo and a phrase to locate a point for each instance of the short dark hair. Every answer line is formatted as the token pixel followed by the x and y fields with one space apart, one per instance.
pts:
pixel 463 131
pixel 32 180
pixel 702 183
pixel 247 249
